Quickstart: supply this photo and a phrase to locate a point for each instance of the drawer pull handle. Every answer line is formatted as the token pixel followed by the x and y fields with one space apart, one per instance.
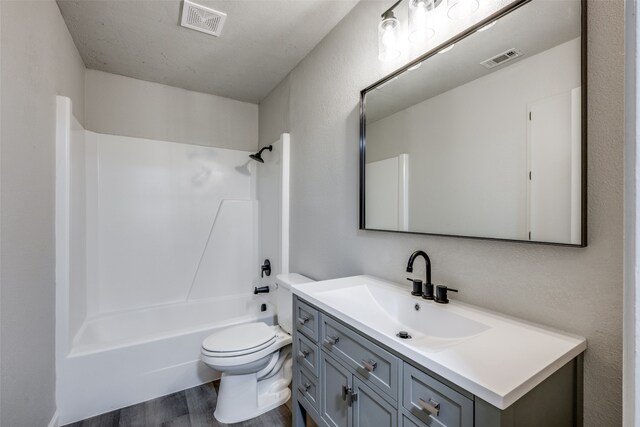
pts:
pixel 348 395
pixel 351 397
pixel 304 387
pixel 431 406
pixel 303 320
pixel 369 365
pixel 303 354
pixel 330 341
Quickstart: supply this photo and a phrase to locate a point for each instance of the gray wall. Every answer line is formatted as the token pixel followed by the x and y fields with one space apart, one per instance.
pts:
pixel 119 105
pixel 577 290
pixel 38 62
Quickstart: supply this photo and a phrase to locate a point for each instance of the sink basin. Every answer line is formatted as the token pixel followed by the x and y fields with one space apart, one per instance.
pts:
pixel 388 310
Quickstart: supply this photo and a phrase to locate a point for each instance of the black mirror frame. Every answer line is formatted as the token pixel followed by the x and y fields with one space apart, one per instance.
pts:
pixel 469 31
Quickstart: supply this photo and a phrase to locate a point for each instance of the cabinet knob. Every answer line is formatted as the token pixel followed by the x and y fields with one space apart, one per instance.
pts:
pixel 303 320
pixel 304 387
pixel 432 407
pixel 330 340
pixel 348 395
pixel 303 354
pixel 352 397
pixel 369 365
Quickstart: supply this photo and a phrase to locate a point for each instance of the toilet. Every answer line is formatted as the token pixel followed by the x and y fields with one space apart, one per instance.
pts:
pixel 254 359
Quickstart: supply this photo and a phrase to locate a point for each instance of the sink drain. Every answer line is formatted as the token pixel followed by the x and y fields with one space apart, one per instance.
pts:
pixel 403 335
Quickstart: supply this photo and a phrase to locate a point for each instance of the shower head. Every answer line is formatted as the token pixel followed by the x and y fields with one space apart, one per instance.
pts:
pixel 258 156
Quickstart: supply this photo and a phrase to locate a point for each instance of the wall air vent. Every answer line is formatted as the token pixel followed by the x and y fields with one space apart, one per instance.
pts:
pixel 201 18
pixel 501 58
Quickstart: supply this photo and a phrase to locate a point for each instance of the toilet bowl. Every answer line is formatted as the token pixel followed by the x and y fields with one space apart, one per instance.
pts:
pixel 255 360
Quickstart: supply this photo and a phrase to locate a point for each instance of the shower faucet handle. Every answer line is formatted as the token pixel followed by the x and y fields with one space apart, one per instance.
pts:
pixel 266 268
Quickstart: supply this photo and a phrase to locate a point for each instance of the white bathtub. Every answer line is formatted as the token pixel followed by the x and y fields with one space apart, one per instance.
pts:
pixel 141 354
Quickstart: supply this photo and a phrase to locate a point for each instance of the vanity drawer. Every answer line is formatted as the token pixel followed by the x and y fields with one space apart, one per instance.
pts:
pixel 307 354
pixel 307 320
pixel 434 403
pixel 373 364
pixel 308 389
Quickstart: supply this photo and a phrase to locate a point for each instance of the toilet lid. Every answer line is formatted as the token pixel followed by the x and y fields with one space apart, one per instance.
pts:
pixel 239 338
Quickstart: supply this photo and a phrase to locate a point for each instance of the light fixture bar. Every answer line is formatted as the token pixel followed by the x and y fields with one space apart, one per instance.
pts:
pixel 389 12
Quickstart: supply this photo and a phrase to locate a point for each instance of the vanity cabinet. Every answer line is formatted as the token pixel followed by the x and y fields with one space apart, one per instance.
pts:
pixel 342 378
pixel 347 401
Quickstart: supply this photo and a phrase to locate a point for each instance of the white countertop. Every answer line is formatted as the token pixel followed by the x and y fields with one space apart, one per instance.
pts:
pixel 497 358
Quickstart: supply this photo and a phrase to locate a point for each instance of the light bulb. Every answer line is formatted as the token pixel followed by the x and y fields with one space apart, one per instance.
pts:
pixel 388 35
pixel 459 9
pixel 420 27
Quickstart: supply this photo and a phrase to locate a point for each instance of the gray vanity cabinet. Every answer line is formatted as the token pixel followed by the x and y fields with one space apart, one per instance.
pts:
pixel 342 378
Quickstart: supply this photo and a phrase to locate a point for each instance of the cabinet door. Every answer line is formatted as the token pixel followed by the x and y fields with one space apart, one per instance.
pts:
pixel 406 421
pixel 370 409
pixel 335 384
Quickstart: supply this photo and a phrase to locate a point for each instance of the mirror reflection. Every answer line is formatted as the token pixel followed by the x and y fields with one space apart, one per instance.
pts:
pixel 483 139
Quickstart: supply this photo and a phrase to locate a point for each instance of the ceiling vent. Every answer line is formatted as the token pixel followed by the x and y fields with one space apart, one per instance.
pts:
pixel 201 18
pixel 501 58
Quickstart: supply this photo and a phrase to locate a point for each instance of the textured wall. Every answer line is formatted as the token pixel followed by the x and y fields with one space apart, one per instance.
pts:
pixel 274 114
pixel 577 290
pixel 124 106
pixel 38 61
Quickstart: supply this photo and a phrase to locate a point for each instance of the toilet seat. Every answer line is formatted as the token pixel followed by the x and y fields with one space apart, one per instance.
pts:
pixel 275 337
pixel 239 340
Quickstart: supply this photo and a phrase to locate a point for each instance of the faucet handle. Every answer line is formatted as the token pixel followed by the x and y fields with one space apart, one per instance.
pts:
pixel 428 291
pixel 265 268
pixel 417 286
pixel 441 294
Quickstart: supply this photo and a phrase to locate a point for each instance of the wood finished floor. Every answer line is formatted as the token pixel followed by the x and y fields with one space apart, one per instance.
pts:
pixel 188 408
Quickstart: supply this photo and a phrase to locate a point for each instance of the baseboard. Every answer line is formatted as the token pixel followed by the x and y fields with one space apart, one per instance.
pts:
pixel 54 420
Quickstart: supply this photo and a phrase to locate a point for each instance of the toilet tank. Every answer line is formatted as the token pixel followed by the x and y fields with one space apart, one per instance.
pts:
pixel 284 298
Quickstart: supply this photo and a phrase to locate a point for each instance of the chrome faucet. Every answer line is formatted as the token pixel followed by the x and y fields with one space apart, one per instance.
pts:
pixel 428 289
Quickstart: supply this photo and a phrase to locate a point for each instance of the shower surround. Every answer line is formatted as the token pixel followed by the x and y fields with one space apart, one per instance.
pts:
pixel 158 245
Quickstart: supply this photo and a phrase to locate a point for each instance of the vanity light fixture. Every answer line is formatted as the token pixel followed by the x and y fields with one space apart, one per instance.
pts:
pixel 421 24
pixel 420 20
pixel 459 9
pixel 389 36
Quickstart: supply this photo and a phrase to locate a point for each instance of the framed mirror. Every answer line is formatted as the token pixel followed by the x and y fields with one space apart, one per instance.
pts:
pixel 488 139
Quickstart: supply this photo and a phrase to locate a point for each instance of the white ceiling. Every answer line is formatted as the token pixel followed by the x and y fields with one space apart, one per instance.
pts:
pixel 262 40
pixel 533 28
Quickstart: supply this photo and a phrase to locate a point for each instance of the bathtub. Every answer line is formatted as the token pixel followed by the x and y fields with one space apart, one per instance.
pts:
pixel 145 353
